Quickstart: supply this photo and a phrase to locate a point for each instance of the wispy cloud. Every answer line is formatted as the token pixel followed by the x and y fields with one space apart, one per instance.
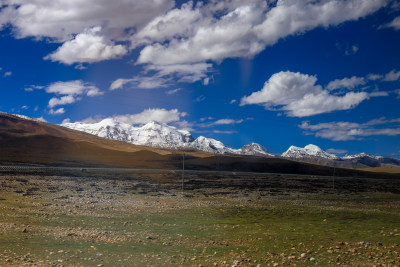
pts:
pixel 343 131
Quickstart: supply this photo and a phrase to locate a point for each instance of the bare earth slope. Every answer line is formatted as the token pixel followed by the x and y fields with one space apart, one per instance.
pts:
pixel 29 142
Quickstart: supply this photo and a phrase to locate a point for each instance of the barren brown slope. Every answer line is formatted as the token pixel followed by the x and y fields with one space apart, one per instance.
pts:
pixel 28 142
pixel 32 142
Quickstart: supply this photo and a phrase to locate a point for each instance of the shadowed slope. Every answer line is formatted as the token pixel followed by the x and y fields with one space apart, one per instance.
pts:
pixel 29 142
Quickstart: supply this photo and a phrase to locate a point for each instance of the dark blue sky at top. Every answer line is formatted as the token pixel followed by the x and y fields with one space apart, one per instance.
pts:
pixel 323 52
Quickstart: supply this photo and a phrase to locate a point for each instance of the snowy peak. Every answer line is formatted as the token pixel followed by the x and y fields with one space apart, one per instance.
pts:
pixel 210 145
pixel 157 134
pixel 161 135
pixel 151 134
pixel 255 150
pixel 309 151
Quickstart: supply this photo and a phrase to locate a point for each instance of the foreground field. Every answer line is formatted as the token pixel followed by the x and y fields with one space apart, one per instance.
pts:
pixel 103 221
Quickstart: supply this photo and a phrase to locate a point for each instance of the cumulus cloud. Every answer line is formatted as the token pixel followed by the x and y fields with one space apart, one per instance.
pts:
pixel 344 131
pixel 61 20
pixel 8 73
pixel 64 100
pixel 299 96
pixel 88 47
pixel 76 87
pixel 393 75
pixel 178 42
pixel 176 22
pixel 71 92
pixel 250 27
pixel 346 83
pixel 152 114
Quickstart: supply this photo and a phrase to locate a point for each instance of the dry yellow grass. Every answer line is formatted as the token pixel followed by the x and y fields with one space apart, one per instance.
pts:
pixel 382 169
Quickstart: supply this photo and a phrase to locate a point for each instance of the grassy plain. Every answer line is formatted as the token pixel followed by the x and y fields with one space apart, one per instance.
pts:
pixel 95 221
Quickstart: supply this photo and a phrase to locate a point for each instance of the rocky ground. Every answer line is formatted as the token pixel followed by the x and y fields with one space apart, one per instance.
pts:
pixel 92 219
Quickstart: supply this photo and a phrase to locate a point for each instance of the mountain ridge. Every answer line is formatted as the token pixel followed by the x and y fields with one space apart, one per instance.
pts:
pixel 161 135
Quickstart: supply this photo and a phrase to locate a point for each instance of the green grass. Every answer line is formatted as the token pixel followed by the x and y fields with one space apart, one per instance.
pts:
pixel 358 230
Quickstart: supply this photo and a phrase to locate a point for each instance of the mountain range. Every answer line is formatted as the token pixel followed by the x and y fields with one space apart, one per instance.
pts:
pixel 160 135
pixel 27 141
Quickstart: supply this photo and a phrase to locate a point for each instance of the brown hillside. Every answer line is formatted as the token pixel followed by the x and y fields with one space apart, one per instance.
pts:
pixel 28 142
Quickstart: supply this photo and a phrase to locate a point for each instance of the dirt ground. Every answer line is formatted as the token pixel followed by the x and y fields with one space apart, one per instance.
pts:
pixel 89 218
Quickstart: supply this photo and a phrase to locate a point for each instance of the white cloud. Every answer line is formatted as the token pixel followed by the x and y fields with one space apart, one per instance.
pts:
pixel 187 73
pixel 76 87
pixel 374 77
pixel 393 75
pixel 192 34
pixel 60 19
pixel 174 91
pixel 299 96
pixel 336 151
pixel 395 23
pixel 8 73
pixel 233 101
pixel 176 22
pixel 346 83
pixel 88 47
pixel 33 87
pixel 218 122
pixel 230 36
pixel 24 107
pixel 226 122
pixel 224 132
pixel 343 131
pixel 250 27
pixel 57 112
pixel 64 100
pixel 141 82
pixel 41 119
pixel 378 93
pixel 67 120
pixel 152 114
pixel 71 92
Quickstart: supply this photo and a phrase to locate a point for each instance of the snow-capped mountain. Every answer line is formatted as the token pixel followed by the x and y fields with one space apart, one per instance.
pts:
pixel 361 155
pixel 255 149
pixel 151 134
pixel 210 145
pixel 157 134
pixel 309 151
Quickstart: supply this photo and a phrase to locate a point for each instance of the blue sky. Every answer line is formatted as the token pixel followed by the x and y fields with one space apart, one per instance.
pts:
pixel 278 73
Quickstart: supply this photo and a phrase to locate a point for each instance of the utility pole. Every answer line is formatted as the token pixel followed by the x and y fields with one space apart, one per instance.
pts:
pixel 183 170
